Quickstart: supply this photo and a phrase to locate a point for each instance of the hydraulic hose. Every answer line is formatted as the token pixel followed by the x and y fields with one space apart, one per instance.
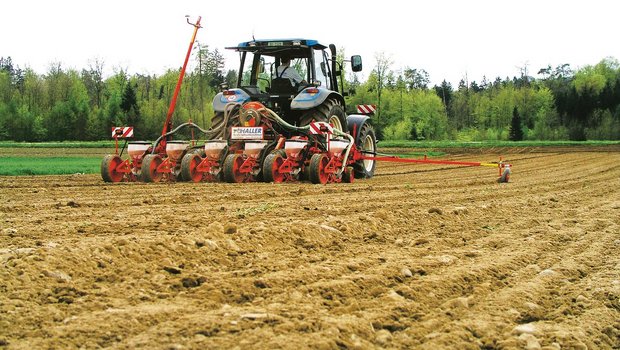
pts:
pixel 228 109
pixel 212 131
pixel 206 132
pixel 282 122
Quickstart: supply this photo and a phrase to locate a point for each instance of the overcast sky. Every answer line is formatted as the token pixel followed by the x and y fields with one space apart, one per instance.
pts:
pixel 449 39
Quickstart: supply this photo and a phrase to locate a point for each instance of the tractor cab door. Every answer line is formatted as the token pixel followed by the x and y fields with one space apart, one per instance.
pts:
pixel 323 70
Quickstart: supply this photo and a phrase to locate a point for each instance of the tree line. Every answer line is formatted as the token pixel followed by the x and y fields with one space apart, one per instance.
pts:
pixel 67 104
pixel 563 104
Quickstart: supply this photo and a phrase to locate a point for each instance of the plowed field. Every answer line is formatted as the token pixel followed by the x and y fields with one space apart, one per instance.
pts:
pixel 420 256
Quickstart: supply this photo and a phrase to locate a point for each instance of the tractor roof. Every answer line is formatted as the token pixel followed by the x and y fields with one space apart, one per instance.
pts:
pixel 274 46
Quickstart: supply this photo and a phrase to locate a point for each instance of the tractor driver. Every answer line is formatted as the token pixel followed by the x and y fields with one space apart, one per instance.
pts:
pixel 286 71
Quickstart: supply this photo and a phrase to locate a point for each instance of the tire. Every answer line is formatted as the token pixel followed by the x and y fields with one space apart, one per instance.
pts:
pixel 188 168
pixel 108 168
pixel 149 168
pixel 218 119
pixel 305 174
pixel 232 163
pixel 199 150
pixel 270 167
pixel 348 175
pixel 366 141
pixel 330 111
pixel 281 152
pixel 216 122
pixel 260 177
pixel 316 170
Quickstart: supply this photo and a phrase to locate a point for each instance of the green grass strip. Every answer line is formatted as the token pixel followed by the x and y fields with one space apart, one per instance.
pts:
pixel 49 165
pixel 414 154
pixel 64 144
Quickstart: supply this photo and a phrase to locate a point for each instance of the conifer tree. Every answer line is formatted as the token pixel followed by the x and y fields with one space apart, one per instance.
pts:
pixel 516 132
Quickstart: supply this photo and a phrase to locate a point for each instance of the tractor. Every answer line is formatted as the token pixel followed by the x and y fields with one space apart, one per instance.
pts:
pixel 274 127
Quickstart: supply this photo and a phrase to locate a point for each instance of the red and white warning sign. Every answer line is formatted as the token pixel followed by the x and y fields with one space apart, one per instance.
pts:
pixel 122 131
pixel 366 109
pixel 319 128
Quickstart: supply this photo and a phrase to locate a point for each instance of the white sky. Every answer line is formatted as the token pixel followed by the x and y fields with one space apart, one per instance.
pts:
pixel 448 38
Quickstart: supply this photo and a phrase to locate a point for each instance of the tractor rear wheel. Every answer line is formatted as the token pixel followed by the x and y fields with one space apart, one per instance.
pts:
pixel 317 173
pixel 217 121
pixel 330 111
pixel 366 142
pixel 271 166
pixel 150 163
pixel 231 167
pixel 189 171
pixel 108 168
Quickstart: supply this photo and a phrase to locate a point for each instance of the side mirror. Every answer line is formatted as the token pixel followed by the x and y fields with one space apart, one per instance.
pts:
pixel 356 63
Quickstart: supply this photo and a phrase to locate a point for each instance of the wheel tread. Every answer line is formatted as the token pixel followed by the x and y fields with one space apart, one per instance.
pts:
pixel 186 166
pixel 321 113
pixel 106 165
pixel 314 171
pixel 360 170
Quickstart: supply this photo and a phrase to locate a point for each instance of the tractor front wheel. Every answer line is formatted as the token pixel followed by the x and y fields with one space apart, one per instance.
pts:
pixel 109 164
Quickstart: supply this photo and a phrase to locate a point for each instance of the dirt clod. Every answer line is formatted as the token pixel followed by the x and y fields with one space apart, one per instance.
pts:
pixel 435 211
pixel 406 272
pixel 173 270
pixel 230 228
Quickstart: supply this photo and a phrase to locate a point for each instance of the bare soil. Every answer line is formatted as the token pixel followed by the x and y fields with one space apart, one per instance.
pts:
pixel 420 256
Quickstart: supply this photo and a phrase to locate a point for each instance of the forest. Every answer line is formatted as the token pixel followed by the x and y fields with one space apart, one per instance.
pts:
pixel 562 104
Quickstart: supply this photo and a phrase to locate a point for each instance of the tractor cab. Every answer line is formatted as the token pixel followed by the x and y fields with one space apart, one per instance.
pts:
pixel 258 78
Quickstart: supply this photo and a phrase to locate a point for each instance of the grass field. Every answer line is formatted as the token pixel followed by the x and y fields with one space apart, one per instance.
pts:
pixel 63 144
pixel 57 158
pixel 49 165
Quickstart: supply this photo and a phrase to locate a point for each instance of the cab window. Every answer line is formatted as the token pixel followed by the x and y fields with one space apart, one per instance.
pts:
pixel 322 69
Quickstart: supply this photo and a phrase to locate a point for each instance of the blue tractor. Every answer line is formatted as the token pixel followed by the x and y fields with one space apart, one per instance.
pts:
pixel 320 99
pixel 265 110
